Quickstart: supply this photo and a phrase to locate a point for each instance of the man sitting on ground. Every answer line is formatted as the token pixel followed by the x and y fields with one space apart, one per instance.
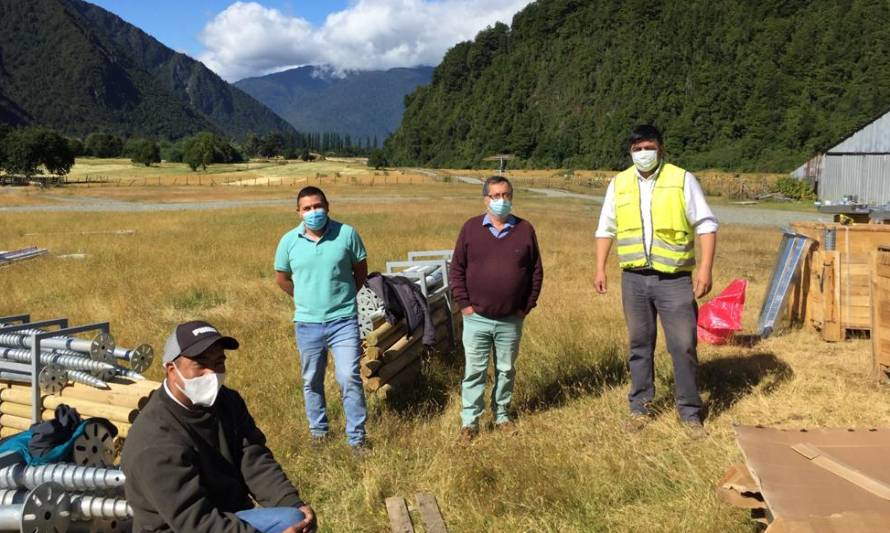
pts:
pixel 195 460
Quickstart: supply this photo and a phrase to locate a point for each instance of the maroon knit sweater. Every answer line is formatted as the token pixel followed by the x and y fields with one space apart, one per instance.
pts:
pixel 496 276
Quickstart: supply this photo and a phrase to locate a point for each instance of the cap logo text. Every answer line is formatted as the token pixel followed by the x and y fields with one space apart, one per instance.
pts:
pixel 203 330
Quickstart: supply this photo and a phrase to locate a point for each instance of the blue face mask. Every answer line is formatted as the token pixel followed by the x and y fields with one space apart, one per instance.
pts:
pixel 500 207
pixel 315 219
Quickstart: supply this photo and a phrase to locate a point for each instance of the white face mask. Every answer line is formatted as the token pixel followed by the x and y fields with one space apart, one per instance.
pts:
pixel 201 390
pixel 645 160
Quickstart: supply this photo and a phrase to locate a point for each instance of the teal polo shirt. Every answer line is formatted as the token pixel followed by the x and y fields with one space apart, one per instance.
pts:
pixel 324 288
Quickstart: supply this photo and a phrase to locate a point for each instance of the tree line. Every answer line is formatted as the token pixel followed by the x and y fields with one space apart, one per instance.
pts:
pixel 31 151
pixel 745 86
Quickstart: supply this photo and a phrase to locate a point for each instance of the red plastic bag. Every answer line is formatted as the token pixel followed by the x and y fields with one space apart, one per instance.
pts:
pixel 720 317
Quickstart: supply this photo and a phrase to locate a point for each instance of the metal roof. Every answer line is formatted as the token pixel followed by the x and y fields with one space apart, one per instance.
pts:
pixel 874 138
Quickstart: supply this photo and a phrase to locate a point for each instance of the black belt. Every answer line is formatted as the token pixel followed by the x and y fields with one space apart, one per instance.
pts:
pixel 653 272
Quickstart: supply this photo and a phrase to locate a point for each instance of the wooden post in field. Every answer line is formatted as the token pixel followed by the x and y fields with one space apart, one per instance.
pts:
pixel 832 329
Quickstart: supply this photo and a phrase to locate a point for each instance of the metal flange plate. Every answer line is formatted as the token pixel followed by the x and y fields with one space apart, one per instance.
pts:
pixel 95 446
pixel 102 348
pixel 52 379
pixel 142 357
pixel 46 509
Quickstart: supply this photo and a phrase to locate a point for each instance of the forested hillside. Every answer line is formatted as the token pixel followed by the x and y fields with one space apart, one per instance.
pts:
pixel 361 104
pixel 74 67
pixel 757 85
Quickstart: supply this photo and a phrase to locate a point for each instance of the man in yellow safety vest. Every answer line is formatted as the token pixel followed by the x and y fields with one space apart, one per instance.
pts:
pixel 654 210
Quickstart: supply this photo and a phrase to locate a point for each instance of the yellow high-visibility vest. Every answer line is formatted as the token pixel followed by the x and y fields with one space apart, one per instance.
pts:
pixel 673 239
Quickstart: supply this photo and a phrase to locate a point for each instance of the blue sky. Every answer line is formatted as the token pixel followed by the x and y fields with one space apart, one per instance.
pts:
pixel 177 23
pixel 257 37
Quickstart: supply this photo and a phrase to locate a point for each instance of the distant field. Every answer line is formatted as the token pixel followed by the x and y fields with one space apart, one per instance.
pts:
pixel 569 468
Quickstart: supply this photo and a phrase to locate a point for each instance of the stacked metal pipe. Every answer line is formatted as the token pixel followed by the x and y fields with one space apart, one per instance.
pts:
pixel 91 362
pixel 61 497
pixel 86 374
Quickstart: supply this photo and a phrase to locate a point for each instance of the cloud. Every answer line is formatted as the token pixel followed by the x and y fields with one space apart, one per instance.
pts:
pixel 248 39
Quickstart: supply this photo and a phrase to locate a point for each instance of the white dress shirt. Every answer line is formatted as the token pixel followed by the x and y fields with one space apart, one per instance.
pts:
pixel 698 213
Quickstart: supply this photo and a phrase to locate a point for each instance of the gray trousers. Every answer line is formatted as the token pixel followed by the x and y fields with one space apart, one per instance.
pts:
pixel 645 294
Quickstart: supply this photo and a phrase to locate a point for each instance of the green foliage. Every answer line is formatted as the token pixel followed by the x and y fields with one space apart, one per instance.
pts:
pixel 207 148
pixel 143 151
pixel 757 85
pixel 377 159
pixel 76 147
pixel 792 188
pixel 77 68
pixel 103 145
pixel 30 151
pixel 171 152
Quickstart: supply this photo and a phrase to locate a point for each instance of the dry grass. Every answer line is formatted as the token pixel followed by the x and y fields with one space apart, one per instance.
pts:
pixel 570 467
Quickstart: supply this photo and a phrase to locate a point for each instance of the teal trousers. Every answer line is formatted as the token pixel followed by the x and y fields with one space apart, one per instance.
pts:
pixel 481 337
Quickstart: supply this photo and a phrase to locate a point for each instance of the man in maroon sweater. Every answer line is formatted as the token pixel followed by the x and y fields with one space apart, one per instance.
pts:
pixel 496 277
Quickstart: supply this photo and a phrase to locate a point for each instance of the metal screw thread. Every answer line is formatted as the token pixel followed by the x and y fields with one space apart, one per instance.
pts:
pixel 88 506
pixel 70 477
pixel 79 376
pixel 64 360
pixel 128 373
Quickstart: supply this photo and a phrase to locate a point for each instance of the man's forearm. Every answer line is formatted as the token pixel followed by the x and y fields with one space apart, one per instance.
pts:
pixel 708 243
pixel 287 286
pixel 603 247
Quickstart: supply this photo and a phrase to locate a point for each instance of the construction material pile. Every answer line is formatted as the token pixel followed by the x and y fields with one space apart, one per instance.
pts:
pixel 393 355
pixel 60 497
pixel 41 369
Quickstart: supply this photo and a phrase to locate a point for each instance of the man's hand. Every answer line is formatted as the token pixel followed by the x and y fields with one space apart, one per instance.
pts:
pixel 701 283
pixel 599 281
pixel 308 525
pixel 468 310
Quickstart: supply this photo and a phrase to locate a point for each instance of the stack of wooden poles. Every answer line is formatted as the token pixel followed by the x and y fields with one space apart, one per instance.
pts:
pixel 119 404
pixel 392 355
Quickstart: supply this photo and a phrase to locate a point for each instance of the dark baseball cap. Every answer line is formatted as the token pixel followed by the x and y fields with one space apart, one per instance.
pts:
pixel 193 338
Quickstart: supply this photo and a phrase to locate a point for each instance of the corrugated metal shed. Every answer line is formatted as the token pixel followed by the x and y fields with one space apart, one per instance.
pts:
pixel 872 139
pixel 859 166
pixel 864 176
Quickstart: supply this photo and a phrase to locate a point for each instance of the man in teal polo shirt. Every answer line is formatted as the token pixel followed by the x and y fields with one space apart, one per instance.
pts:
pixel 322 263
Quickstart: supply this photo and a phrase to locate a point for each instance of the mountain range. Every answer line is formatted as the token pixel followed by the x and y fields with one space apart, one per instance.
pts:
pixel 362 104
pixel 75 67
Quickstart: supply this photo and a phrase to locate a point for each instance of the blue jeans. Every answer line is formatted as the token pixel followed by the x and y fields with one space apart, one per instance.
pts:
pixel 271 519
pixel 341 336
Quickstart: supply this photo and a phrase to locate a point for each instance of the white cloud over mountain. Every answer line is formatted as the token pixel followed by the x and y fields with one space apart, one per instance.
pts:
pixel 249 39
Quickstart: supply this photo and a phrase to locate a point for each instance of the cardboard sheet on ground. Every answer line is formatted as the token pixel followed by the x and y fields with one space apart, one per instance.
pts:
pixel 836 480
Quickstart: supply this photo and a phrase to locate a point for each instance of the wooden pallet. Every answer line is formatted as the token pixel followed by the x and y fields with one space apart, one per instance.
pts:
pixel 400 518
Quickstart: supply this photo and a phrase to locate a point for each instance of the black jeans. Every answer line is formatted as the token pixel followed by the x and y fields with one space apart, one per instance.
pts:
pixel 645 294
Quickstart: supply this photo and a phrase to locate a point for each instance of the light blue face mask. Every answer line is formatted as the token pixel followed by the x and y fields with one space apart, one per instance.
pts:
pixel 315 219
pixel 500 207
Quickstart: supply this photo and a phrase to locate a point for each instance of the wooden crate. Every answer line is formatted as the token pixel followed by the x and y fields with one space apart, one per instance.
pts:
pixel 833 291
pixel 880 329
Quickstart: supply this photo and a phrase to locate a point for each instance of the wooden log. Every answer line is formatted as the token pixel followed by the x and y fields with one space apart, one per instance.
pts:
pixel 402 346
pixel 86 408
pixel 133 400
pixel 372 353
pixel 8 432
pixel 400 381
pixel 370 368
pixel 373 384
pixel 15 409
pixel 389 370
pixel 16 422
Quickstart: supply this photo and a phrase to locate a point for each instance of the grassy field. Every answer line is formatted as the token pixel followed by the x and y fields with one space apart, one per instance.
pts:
pixel 570 466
